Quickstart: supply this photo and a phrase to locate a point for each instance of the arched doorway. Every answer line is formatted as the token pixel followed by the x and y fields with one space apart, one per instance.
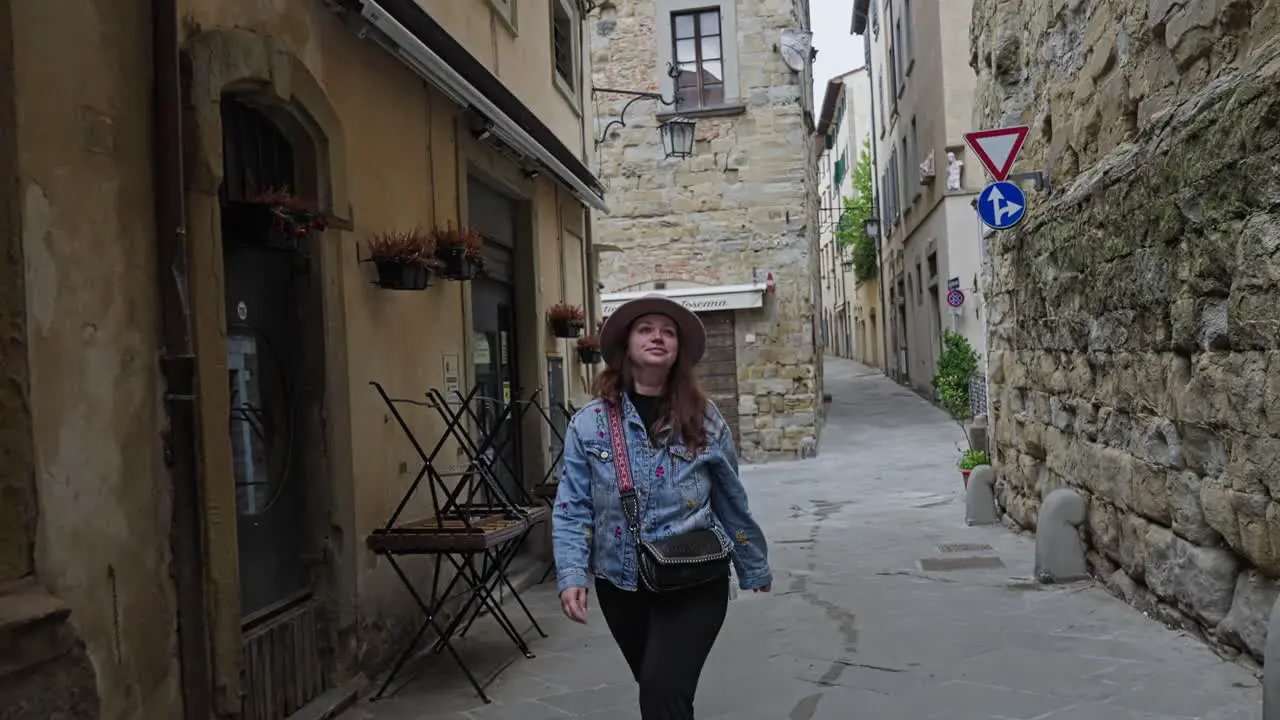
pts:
pixel 275 355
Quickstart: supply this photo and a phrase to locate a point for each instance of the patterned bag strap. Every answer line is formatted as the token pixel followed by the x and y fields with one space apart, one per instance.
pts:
pixel 622 468
pixel 620 462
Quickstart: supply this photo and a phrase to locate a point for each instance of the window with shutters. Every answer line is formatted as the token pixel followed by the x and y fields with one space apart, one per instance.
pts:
pixel 564 48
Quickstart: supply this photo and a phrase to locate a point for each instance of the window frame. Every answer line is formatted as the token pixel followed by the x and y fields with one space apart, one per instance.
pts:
pixel 508 13
pixel 698 60
pixel 910 36
pixel 917 157
pixel 664 36
pixel 900 82
pixel 569 87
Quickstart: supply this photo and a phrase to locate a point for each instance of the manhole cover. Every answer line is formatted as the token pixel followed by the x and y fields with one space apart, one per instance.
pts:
pixel 959 563
pixel 965 548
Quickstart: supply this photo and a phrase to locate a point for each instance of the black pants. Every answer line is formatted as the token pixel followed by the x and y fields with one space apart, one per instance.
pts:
pixel 666 639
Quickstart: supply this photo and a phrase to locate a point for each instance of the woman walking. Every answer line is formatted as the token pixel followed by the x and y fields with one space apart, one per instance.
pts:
pixel 651 505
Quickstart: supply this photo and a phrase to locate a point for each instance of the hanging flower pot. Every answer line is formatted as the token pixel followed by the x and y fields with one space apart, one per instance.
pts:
pixel 273 220
pixel 254 225
pixel 400 275
pixel 589 349
pixel 458 251
pixel 402 259
pixel 453 263
pixel 566 320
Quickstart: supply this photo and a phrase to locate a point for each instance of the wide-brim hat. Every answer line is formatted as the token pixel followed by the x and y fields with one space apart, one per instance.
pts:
pixel 617 329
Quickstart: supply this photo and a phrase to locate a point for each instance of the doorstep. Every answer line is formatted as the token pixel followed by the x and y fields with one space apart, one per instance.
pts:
pixel 330 704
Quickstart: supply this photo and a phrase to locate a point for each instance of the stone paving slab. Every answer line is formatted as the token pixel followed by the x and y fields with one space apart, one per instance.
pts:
pixel 855 629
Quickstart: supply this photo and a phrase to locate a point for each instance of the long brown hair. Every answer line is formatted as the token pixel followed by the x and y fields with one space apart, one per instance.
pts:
pixel 683 405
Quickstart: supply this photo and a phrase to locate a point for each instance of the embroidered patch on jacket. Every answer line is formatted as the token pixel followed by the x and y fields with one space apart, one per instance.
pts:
pixel 741 538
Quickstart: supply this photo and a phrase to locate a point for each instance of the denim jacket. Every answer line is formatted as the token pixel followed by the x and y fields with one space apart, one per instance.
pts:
pixel 677 491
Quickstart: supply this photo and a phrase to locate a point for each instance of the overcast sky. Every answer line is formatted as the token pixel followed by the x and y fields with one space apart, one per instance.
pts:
pixel 838 50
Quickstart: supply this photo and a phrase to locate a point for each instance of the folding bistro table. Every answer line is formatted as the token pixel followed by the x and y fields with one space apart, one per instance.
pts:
pixel 478 518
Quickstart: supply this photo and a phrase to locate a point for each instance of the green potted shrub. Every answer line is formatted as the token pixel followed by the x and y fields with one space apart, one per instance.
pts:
pixel 970 459
pixel 957 364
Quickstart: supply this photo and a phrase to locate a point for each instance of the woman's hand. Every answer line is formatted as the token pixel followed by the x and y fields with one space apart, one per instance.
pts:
pixel 573 601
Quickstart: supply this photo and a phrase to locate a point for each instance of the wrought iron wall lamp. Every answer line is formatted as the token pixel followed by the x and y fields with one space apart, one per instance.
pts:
pixel 676 133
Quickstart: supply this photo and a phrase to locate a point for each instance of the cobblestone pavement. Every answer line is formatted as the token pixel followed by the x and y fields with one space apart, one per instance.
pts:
pixel 855 628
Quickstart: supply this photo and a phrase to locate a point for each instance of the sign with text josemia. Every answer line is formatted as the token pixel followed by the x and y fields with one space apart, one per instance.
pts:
pixel 730 297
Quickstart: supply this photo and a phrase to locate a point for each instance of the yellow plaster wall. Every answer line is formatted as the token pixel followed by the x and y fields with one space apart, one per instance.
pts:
pixel 520 57
pixel 405 167
pixel 84 131
pixel 82 96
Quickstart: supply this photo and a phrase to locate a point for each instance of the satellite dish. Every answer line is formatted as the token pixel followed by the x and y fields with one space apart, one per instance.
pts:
pixel 795 48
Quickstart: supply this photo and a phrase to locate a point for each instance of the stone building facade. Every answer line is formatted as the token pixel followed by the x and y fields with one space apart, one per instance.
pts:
pixel 1133 344
pixel 930 229
pixel 731 231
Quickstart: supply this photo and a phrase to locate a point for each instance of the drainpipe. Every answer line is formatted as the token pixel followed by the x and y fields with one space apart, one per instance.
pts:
pixel 177 360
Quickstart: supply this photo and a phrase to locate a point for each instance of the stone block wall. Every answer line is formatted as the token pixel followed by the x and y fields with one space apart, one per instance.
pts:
pixel 1135 315
pixel 745 202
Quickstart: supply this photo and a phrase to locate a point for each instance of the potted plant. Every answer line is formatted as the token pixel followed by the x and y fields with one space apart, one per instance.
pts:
pixel 403 259
pixel 970 459
pixel 589 349
pixel 274 219
pixel 458 250
pixel 474 254
pixel 566 320
pixel 957 364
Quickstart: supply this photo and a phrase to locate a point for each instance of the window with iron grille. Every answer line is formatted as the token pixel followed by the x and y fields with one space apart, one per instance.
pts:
pixel 256 156
pixel 699 56
pixel 563 45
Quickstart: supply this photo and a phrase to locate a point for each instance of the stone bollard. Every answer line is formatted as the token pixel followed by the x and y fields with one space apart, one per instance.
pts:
pixel 1059 550
pixel 977 433
pixel 1271 667
pixel 980 497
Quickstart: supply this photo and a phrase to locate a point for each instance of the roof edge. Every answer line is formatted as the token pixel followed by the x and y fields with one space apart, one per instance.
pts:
pixel 858 23
pixel 834 88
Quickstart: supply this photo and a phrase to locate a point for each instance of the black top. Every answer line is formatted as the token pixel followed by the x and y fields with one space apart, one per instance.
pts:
pixel 648 406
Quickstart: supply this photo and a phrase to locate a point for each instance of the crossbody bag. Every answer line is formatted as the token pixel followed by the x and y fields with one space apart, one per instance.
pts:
pixel 675 563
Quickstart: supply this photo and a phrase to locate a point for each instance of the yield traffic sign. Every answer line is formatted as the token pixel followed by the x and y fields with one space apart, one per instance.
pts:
pixel 997 149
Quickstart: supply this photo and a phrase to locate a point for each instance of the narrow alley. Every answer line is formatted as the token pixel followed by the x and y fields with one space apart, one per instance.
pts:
pixel 855 628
